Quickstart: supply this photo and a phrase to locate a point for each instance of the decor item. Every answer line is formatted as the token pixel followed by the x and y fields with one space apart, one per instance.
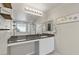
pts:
pixel 68 18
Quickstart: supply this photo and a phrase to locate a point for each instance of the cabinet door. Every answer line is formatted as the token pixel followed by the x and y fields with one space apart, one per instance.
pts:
pixel 5 24
pixel 46 45
pixel 4 36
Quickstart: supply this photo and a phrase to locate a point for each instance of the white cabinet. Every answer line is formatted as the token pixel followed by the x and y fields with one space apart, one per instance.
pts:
pixel 21 49
pixel 4 36
pixel 5 10
pixel 38 47
pixel 5 24
pixel 46 45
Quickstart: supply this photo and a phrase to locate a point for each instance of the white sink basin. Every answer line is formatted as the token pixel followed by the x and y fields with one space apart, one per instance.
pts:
pixel 43 36
pixel 21 40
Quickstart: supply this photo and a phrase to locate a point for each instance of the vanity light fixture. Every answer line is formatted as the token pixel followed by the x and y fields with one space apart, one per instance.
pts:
pixel 33 11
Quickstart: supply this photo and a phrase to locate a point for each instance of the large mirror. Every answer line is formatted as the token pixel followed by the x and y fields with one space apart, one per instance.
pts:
pixel 23 28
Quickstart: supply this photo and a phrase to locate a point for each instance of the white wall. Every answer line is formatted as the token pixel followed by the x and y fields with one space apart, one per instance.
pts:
pixel 62 10
pixel 67 35
pixel 67 38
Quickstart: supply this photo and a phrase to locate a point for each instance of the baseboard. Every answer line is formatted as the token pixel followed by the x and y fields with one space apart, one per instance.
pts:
pixel 30 53
pixel 51 52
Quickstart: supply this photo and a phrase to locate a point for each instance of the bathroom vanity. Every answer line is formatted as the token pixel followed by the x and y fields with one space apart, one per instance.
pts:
pixel 44 44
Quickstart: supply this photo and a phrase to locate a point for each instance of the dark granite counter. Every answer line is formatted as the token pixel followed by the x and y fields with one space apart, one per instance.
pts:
pixel 22 38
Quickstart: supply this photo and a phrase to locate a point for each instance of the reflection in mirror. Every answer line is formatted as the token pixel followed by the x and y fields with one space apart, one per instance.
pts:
pixel 49 27
pixel 21 27
pixel 24 27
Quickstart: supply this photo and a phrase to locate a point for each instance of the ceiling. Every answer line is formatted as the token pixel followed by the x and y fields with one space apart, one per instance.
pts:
pixel 44 7
pixel 40 6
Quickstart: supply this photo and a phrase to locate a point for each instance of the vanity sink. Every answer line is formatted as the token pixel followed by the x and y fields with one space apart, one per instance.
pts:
pixel 20 40
pixel 43 36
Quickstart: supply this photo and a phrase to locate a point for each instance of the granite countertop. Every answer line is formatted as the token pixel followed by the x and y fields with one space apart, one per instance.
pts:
pixel 22 38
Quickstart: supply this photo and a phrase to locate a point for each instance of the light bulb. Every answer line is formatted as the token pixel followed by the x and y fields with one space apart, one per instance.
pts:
pixel 34 11
pixel 27 8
